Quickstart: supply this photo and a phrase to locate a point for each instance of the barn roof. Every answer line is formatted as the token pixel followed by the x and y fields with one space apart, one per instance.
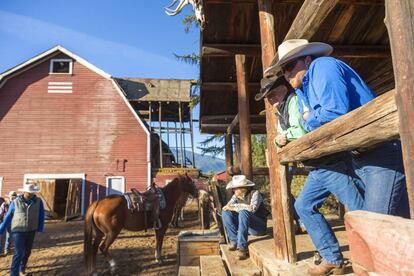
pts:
pixel 45 55
pixel 355 28
pixel 155 90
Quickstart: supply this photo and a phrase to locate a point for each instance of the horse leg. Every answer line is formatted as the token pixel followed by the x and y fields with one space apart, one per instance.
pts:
pixel 95 246
pixel 159 238
pixel 109 239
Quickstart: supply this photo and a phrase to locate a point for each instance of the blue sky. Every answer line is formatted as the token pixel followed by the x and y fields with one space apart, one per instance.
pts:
pixel 134 39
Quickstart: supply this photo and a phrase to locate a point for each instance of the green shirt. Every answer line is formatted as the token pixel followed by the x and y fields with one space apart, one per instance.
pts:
pixel 295 130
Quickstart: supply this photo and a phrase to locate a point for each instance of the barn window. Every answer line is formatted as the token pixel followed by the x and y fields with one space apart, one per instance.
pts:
pixel 61 66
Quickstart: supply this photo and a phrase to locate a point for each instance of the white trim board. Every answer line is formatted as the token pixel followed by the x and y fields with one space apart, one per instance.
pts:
pixel 1 185
pixel 62 176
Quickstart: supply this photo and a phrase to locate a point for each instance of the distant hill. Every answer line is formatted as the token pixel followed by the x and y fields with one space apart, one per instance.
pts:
pixel 207 163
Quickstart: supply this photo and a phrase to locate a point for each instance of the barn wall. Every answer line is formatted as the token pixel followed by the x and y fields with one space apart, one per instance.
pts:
pixel 89 131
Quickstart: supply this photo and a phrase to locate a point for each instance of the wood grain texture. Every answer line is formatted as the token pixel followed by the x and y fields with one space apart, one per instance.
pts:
pixel 400 23
pixel 380 243
pixel 212 266
pixel 238 267
pixel 375 122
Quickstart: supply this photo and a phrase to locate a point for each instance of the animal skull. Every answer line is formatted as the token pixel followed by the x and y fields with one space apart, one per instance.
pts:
pixel 197 7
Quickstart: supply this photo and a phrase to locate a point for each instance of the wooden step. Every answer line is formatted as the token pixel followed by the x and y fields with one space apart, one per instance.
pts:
pixel 212 266
pixel 238 267
pixel 189 271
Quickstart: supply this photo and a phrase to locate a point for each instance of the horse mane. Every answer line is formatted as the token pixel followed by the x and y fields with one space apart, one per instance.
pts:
pixel 176 181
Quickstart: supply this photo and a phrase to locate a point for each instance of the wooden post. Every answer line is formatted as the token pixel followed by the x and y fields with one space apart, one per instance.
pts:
pixel 181 134
pixel 159 121
pixel 282 214
pixel 400 25
pixel 192 137
pixel 236 162
pixel 176 143
pixel 229 152
pixel 244 117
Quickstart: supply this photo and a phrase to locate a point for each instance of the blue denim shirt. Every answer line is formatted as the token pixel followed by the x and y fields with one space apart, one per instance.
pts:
pixel 330 88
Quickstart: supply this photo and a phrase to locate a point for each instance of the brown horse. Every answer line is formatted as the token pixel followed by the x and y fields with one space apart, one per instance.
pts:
pixel 106 218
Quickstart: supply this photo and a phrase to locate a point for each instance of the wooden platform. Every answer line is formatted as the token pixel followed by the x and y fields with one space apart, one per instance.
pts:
pixel 189 271
pixel 212 266
pixel 262 253
pixel 237 267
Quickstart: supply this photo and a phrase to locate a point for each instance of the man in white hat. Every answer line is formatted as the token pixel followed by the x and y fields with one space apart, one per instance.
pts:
pixel 244 214
pixel 328 88
pixel 25 216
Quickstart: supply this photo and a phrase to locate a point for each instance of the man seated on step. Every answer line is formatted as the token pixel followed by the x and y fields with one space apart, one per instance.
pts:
pixel 244 214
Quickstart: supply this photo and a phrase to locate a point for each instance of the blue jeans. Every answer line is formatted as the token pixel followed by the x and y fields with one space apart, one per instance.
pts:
pixel 382 173
pixel 239 224
pixel 321 182
pixel 23 243
pixel 5 241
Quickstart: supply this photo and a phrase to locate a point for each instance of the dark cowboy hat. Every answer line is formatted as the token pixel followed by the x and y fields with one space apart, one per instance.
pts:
pixel 268 84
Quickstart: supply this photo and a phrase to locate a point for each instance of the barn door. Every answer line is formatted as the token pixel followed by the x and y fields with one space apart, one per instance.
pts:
pixel 47 194
pixel 73 200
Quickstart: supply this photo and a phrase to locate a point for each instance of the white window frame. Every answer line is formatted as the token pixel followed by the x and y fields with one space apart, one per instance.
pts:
pixel 58 60
pixel 62 176
pixel 1 185
pixel 114 177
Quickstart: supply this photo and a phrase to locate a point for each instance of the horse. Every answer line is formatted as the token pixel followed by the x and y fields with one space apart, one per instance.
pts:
pixel 106 218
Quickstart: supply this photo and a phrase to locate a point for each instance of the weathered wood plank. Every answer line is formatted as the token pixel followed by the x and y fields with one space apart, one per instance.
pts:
pixel 310 16
pixel 233 124
pixel 189 271
pixel 238 267
pixel 370 124
pixel 282 236
pixel 340 25
pixel 400 24
pixel 380 243
pixel 212 266
pixel 244 117
pixel 230 49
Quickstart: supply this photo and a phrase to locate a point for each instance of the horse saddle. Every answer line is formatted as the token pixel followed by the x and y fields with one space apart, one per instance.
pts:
pixel 152 200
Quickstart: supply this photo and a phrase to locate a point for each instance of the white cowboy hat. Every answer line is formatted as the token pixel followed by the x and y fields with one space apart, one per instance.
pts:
pixel 239 181
pixel 294 48
pixel 29 188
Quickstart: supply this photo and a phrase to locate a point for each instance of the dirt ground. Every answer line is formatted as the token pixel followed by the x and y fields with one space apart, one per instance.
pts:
pixel 59 251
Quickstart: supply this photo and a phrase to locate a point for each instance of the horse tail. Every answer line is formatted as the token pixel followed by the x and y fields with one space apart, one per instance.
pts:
pixel 88 238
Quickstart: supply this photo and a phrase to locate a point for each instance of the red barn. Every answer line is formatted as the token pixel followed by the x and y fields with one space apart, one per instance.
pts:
pixel 68 125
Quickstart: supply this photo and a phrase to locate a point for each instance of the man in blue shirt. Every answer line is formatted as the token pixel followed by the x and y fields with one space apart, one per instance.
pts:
pixel 328 88
pixel 25 216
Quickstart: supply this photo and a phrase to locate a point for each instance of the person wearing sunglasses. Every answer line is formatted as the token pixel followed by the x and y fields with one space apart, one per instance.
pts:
pixel 327 89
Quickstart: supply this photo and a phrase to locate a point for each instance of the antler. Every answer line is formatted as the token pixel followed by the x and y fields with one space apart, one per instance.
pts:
pixel 177 9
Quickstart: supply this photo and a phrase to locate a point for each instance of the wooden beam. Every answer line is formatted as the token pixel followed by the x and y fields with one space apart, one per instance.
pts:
pixel 309 18
pixel 400 24
pixel 375 122
pixel 283 230
pixel 389 250
pixel 244 117
pixel 228 145
pixel 343 51
pixel 345 2
pixel 230 49
pixel 228 86
pixel 361 51
pixel 233 124
pixel 340 25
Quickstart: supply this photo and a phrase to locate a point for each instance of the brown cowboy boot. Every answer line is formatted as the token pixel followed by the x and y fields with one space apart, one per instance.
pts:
pixel 325 268
pixel 242 254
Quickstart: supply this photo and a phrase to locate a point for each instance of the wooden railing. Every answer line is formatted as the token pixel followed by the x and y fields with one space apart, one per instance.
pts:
pixel 375 122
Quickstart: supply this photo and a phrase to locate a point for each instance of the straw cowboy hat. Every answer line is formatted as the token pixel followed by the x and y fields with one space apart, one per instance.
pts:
pixel 294 48
pixel 12 193
pixel 239 181
pixel 29 187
